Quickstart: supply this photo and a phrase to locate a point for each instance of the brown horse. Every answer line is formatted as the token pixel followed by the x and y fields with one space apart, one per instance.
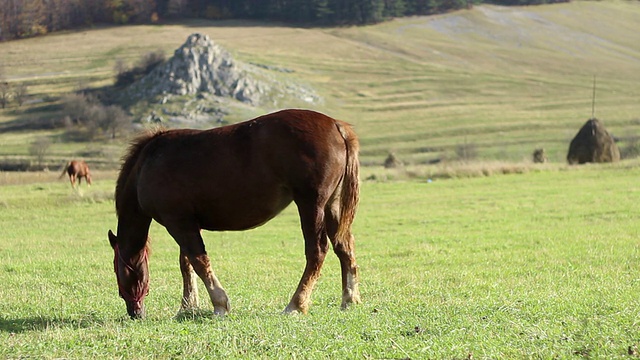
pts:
pixel 77 169
pixel 238 177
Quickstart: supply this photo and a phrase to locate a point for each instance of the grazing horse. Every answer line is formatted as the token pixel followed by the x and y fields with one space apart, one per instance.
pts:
pixel 238 177
pixel 77 169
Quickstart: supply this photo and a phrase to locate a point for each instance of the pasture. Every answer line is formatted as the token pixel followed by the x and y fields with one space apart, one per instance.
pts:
pixel 495 258
pixel 544 264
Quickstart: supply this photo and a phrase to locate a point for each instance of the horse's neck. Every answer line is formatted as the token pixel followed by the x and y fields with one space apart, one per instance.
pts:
pixel 133 232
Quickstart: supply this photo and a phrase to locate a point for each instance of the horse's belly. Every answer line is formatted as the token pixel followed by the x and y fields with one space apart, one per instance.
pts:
pixel 240 214
pixel 216 210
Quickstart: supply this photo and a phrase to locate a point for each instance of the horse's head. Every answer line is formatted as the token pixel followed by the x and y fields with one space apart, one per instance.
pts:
pixel 132 274
pixel 87 173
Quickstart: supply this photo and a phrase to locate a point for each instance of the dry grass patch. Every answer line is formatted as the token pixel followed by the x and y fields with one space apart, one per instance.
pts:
pixel 458 170
pixel 452 170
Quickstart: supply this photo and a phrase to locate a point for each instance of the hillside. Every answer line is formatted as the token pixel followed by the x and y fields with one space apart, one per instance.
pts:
pixel 501 81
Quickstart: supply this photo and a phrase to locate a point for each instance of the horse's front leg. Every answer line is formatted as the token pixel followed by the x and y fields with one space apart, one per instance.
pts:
pixel 189 283
pixel 192 245
pixel 218 296
pixel 315 248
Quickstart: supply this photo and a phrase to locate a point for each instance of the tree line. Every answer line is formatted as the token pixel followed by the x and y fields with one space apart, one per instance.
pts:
pixel 28 18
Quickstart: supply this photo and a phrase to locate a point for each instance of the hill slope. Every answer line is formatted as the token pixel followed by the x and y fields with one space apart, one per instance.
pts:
pixel 501 81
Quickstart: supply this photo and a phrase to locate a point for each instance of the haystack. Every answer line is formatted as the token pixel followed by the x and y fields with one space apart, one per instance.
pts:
pixel 539 156
pixel 392 161
pixel 593 144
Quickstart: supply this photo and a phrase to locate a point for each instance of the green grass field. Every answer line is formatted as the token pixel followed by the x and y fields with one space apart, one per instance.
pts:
pixel 544 264
pixel 495 258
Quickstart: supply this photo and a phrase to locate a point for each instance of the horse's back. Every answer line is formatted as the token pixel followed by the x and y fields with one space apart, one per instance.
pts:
pixel 242 175
pixel 77 167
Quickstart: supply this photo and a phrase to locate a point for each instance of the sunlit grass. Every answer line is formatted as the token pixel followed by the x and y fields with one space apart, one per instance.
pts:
pixel 538 264
pixel 495 257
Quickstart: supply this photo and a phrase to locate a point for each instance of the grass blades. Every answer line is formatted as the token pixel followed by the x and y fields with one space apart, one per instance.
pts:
pixel 535 265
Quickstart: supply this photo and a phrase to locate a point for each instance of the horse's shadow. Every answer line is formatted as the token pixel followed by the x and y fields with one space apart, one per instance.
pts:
pixel 196 315
pixel 41 323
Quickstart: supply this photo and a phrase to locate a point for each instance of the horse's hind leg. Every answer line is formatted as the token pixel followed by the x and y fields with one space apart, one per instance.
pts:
pixel 192 245
pixel 315 247
pixel 189 282
pixel 345 250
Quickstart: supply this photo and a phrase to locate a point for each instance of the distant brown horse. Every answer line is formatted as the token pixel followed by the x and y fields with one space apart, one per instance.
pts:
pixel 77 169
pixel 238 177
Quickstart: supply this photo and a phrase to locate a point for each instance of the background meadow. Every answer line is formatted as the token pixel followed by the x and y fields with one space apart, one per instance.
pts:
pixel 500 81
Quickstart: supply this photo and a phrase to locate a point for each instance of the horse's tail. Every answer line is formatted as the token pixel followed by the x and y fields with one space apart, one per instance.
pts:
pixel 350 190
pixel 65 168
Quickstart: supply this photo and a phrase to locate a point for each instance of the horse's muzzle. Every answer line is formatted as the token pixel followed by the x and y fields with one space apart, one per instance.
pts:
pixel 135 309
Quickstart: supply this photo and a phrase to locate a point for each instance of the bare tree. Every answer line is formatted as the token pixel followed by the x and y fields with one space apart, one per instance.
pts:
pixel 20 93
pixel 176 8
pixel 85 114
pixel 95 115
pixel 467 151
pixel 74 107
pixel 32 19
pixel 141 11
pixel 4 88
pixel 115 120
pixel 39 149
pixel 5 93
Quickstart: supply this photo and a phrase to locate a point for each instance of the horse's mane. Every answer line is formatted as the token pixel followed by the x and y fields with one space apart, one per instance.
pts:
pixel 129 162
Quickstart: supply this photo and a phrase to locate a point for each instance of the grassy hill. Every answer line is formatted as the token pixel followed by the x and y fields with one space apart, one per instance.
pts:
pixel 500 81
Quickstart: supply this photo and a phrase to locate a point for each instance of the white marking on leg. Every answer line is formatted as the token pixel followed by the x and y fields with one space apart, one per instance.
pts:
pixel 291 309
pixel 190 300
pixel 301 299
pixel 218 295
pixel 351 292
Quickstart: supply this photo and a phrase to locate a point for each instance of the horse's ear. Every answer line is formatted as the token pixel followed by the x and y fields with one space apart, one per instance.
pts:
pixel 112 239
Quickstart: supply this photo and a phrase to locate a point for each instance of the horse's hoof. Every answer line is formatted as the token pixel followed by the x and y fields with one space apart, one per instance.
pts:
pixel 220 311
pixel 350 298
pixel 293 310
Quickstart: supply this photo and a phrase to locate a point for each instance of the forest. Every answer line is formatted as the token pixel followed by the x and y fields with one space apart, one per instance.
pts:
pixel 29 18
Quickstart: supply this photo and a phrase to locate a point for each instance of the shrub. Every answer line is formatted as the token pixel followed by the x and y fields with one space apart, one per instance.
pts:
pixel 20 93
pixel 5 93
pixel 632 148
pixel 467 151
pixel 39 149
pixel 126 76
pixel 86 117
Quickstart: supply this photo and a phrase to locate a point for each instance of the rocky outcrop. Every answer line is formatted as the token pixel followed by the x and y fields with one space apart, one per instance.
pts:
pixel 203 69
